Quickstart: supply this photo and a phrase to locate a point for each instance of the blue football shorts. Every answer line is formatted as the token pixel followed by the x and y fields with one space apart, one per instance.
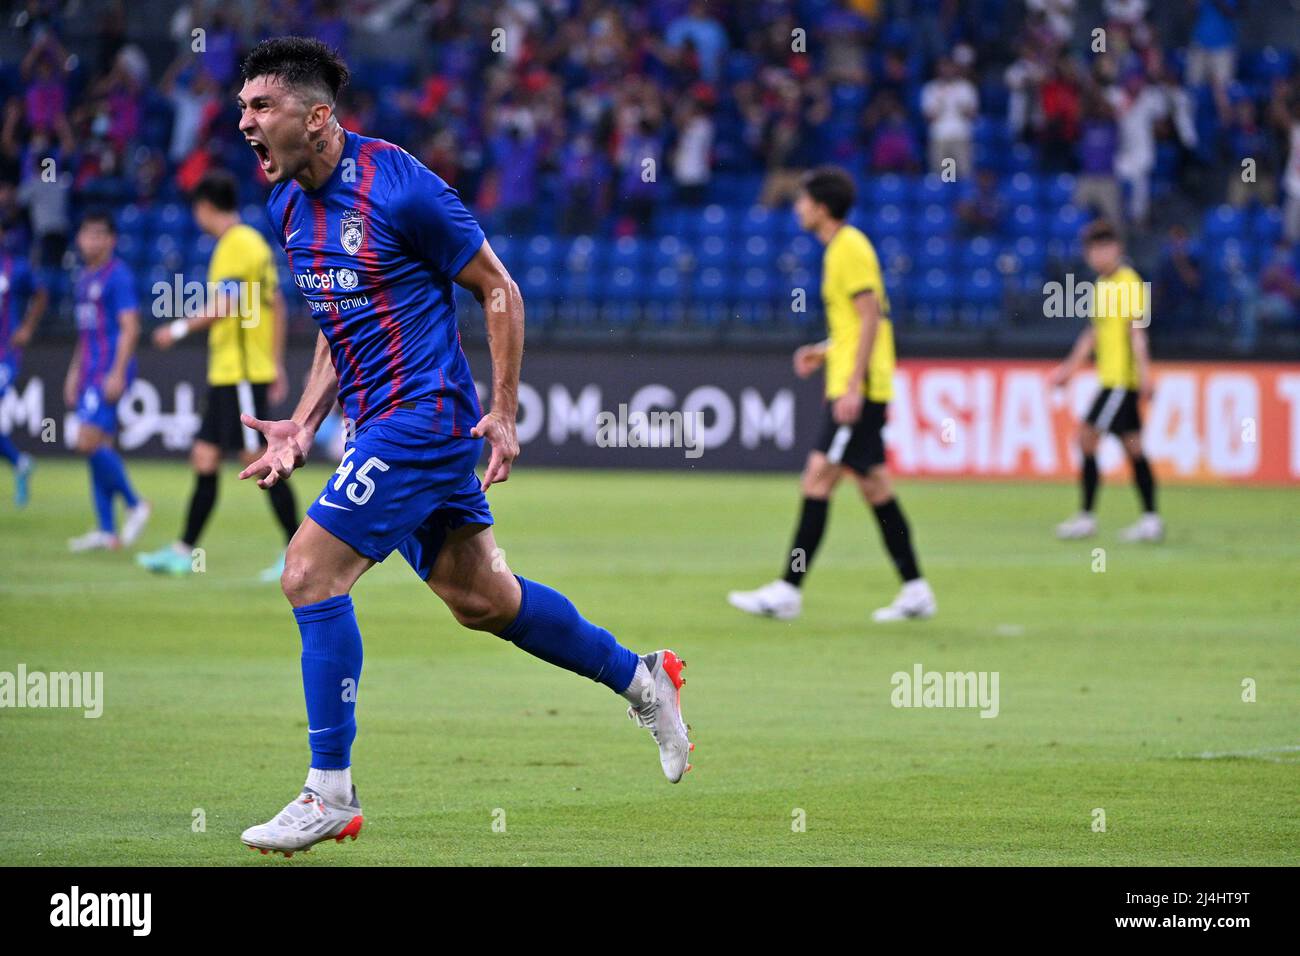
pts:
pixel 402 487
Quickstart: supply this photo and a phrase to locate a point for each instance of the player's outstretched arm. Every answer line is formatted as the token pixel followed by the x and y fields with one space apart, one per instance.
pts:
pixel 1078 355
pixel 503 310
pixel 288 441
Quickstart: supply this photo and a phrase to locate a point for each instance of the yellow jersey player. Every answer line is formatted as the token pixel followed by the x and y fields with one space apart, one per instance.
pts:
pixel 858 357
pixel 1117 334
pixel 245 319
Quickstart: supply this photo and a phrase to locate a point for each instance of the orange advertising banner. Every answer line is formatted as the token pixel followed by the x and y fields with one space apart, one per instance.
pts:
pixel 1207 422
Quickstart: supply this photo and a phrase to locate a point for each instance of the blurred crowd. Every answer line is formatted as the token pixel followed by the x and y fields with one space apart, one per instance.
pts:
pixel 592 116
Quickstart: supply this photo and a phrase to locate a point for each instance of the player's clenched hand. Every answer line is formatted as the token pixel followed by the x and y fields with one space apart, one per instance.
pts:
pixel 114 386
pixel 163 338
pixel 287 444
pixel 808 359
pixel 499 430
pixel 847 408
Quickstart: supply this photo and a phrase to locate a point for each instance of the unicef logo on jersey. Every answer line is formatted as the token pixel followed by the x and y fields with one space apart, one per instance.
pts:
pixel 352 231
pixel 347 280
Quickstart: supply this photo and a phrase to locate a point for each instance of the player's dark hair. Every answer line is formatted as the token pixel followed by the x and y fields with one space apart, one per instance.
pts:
pixel 102 216
pixel 219 188
pixel 300 63
pixel 1100 230
pixel 833 187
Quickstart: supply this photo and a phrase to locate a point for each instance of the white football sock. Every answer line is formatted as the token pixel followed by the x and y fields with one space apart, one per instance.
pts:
pixel 334 785
pixel 641 690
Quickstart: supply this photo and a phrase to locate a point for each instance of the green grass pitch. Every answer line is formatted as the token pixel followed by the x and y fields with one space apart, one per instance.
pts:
pixel 1119 690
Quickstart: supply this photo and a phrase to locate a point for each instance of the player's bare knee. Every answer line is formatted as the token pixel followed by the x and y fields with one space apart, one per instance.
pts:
pixel 876 488
pixel 473 610
pixel 204 458
pixel 301 583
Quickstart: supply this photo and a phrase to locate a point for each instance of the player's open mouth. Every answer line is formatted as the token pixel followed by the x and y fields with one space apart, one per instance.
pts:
pixel 263 154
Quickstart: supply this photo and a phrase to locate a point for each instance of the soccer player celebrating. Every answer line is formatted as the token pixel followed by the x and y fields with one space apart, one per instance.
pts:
pixel 102 368
pixel 1117 333
pixel 375 241
pixel 17 287
pixel 245 319
pixel 859 362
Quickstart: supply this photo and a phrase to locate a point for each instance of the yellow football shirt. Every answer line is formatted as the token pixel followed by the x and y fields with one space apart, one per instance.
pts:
pixel 849 268
pixel 1118 299
pixel 241 346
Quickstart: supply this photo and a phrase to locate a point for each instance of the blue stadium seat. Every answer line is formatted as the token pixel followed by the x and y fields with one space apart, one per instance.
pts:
pixel 889 189
pixel 579 285
pixel 1030 254
pixel 667 286
pixel 893 255
pixel 131 219
pixel 716 220
pixel 888 221
pixel 537 282
pixel 622 285
pixel 710 285
pixel 542 251
pixel 756 253
pixel 935 253
pixel 933 292
pixel 671 252
pixel 1067 222
pixel 760 221
pixel 1021 188
pixel 937 219
pixel 1059 190
pixel 932 189
pixel 1024 220
pixel 979 253
pixel 628 252
pixel 713 251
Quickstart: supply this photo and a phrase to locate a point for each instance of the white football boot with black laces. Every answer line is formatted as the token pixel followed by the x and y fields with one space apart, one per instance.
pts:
pixel 306 821
pixel 657 706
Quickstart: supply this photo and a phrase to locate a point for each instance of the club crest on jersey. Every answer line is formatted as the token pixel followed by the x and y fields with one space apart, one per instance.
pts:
pixel 352 231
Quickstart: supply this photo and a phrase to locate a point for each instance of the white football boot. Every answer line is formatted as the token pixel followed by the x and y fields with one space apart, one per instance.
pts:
pixel 136 519
pixel 1148 528
pixel 657 706
pixel 914 602
pixel 779 599
pixel 306 821
pixel 96 540
pixel 1082 525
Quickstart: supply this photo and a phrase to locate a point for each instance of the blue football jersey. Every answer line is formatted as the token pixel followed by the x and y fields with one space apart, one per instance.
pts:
pixel 374 251
pixel 102 295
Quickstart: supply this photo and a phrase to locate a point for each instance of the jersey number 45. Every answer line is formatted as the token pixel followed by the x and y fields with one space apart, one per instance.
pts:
pixel 362 486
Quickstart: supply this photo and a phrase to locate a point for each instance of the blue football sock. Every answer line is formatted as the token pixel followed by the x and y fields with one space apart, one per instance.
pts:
pixel 101 493
pixel 331 671
pixel 549 626
pixel 115 474
pixel 8 450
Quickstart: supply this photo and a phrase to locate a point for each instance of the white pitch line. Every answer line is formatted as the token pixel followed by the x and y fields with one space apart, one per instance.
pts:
pixel 1261 753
